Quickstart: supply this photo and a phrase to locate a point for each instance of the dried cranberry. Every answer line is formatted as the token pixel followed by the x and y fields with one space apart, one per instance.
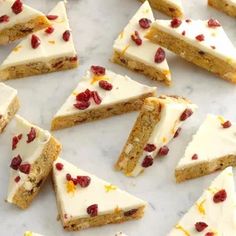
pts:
pixel 175 23
pixel 74 181
pixel 92 210
pixel 220 196
pixel 84 96
pixel 200 37
pixel 145 23
pixel 210 234
pixel 31 135
pixel 68 177
pixel 226 124
pixel 150 147
pixel 35 41
pixel 97 99
pixel 49 30
pixel 82 105
pixel 187 20
pixel 163 151
pixel 59 166
pixel 17 7
pixel 183 33
pixel 25 168
pixel 15 163
pixel 213 23
pixel 98 70
pixel 105 85
pixel 200 226
pixel 195 157
pixel 177 132
pixel 52 17
pixel 130 213
pixel 160 55
pixel 136 38
pixel 186 114
pixel 148 161
pixel 15 141
pixel 17 179
pixel 66 35
pixel 83 181
pixel 4 18
pixel 73 59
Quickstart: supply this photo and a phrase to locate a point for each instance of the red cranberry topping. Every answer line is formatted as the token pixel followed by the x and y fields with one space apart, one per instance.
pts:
pixel 200 226
pixel 105 85
pixel 188 20
pixel 210 234
pixel 175 23
pixel 163 151
pixel 150 147
pixel 186 114
pixel 74 181
pixel 35 41
pixel 183 33
pixel 148 161
pixel 195 157
pixel 4 18
pixel 15 163
pixel 49 30
pixel 226 124
pixel 31 135
pixel 98 70
pixel 25 168
pixel 136 38
pixel 200 37
pixel 82 105
pixel 66 35
pixel 83 181
pixel 15 141
pixel 220 196
pixel 59 166
pixel 160 55
pixel 97 99
pixel 17 179
pixel 213 23
pixel 177 132
pixel 68 177
pixel 52 17
pixel 145 23
pixel 130 213
pixel 93 210
pixel 84 96
pixel 17 7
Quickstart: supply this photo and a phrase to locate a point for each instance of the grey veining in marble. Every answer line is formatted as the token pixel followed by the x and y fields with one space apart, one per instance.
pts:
pixel 96 146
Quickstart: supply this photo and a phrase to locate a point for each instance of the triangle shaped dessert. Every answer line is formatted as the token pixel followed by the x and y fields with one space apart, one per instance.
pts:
pixel 100 94
pixel 9 105
pixel 214 212
pixel 18 20
pixel 227 6
pixel 45 51
pixel 86 201
pixel 171 8
pixel 212 148
pixel 202 42
pixel 135 52
pixel 33 153
pixel 159 121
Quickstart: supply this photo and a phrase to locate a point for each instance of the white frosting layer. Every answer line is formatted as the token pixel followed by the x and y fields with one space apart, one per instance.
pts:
pixel 220 217
pixel 30 233
pixel 165 129
pixel 52 45
pixel 7 95
pixel 26 15
pixel 146 52
pixel 216 37
pixel 210 142
pixel 29 152
pixel 124 89
pixel 74 204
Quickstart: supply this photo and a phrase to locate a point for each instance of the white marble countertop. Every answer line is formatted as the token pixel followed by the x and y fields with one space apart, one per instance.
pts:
pixel 95 146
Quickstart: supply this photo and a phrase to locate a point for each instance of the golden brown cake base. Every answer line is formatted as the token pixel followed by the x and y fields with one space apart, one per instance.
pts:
pixel 139 67
pixel 204 168
pixel 223 6
pixel 40 170
pixel 166 8
pixel 62 122
pixel 37 68
pixel 193 54
pixel 21 30
pixel 12 109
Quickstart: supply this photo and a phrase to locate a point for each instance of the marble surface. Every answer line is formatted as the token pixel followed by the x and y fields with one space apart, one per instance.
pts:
pixel 96 146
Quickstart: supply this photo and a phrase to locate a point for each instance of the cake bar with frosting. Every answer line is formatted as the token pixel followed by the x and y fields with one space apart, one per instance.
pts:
pixel 227 6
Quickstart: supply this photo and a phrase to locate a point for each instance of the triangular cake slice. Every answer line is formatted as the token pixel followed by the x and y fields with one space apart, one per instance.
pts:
pixel 45 51
pixel 214 212
pixel 100 94
pixel 30 233
pixel 9 105
pixel 202 42
pixel 212 148
pixel 135 52
pixel 227 6
pixel 33 153
pixel 86 201
pixel 17 20
pixel 159 121
pixel 171 8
